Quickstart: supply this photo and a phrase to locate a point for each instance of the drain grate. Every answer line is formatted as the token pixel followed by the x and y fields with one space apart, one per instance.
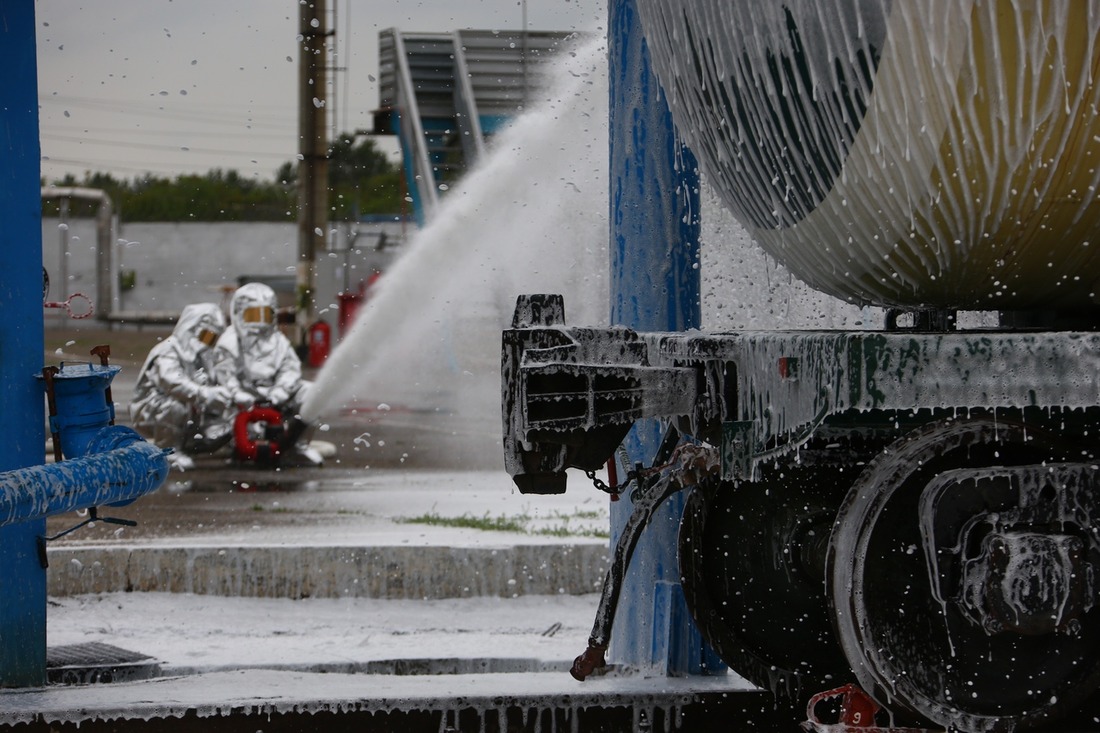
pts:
pixel 82 664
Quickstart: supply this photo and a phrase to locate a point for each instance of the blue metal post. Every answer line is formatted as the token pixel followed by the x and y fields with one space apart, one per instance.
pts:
pixel 654 286
pixel 23 580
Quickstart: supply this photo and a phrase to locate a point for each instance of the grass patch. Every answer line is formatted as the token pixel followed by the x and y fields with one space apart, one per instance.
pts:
pixel 562 526
pixel 466 521
pixel 273 510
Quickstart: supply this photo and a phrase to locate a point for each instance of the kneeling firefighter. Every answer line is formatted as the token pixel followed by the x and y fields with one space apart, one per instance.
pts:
pixel 262 371
pixel 177 403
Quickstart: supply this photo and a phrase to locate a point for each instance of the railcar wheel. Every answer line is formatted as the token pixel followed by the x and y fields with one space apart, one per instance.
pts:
pixel 963 573
pixel 752 561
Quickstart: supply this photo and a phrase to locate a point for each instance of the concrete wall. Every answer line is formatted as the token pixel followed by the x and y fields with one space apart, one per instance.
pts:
pixel 175 264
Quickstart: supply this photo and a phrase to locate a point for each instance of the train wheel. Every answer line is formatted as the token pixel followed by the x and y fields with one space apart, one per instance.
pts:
pixel 752 560
pixel 963 573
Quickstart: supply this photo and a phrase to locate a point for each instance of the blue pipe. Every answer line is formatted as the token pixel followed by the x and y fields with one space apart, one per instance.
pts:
pixel 654 286
pixel 655 283
pixel 119 466
pixel 79 405
pixel 23 582
pixel 29 494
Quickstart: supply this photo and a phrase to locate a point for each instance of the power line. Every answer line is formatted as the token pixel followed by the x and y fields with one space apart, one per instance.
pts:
pixel 52 130
pixel 251 118
pixel 94 142
pixel 76 100
pixel 103 166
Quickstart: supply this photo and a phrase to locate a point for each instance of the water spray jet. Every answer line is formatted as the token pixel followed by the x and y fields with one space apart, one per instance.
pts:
pixel 509 227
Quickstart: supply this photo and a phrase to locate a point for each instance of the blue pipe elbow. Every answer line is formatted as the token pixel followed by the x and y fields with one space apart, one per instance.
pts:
pixel 119 466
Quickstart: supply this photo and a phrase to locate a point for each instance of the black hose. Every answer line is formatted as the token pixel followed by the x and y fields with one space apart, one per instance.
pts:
pixel 293 429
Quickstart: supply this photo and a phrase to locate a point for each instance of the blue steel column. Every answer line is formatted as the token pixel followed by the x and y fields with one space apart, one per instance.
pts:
pixel 23 580
pixel 654 286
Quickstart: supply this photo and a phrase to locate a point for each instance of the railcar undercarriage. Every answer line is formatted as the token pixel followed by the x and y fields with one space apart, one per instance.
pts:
pixel 912 509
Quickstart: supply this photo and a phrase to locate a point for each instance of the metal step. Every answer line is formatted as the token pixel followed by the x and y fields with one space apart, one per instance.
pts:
pixel 96 662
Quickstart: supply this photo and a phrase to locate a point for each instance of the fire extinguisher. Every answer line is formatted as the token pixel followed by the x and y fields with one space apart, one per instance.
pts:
pixel 320 339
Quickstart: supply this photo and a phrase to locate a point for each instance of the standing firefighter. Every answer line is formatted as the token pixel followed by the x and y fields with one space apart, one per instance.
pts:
pixel 258 363
pixel 176 401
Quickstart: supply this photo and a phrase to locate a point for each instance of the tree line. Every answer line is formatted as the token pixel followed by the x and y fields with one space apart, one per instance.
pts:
pixel 362 180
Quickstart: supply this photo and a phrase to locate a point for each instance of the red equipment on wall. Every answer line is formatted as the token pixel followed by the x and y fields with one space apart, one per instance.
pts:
pixel 350 302
pixel 349 307
pixel 320 341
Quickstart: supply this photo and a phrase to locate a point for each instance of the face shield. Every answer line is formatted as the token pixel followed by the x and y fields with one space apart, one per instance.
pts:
pixel 199 326
pixel 253 309
pixel 263 314
pixel 208 337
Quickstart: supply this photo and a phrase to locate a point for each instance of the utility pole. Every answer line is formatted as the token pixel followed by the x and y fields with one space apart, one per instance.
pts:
pixel 313 151
pixel 523 54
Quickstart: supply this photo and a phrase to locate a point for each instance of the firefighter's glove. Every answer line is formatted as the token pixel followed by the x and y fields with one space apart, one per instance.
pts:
pixel 277 396
pixel 214 399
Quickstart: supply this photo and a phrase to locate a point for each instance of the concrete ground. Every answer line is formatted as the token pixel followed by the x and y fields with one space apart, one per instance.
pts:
pixel 405 483
pixel 347 591
pixel 408 481
pixel 368 441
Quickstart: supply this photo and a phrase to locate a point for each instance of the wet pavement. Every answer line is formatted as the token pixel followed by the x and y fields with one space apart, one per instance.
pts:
pixel 402 480
pixel 271 598
pixel 370 441
pixel 405 585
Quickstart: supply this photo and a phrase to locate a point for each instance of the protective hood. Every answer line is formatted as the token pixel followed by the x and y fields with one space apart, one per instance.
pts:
pixel 197 329
pixel 252 311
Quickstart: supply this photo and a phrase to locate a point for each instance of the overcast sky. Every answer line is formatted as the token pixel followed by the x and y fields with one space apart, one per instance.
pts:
pixel 183 86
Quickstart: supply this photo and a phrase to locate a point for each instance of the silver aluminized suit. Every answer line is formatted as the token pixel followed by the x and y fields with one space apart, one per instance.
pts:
pixel 255 360
pixel 176 401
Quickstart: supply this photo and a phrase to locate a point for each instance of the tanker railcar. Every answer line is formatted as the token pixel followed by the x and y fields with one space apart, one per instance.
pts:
pixel 914 507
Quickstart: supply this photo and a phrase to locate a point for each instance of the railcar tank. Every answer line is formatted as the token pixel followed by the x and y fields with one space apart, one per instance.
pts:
pixel 937 154
pixel 915 507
